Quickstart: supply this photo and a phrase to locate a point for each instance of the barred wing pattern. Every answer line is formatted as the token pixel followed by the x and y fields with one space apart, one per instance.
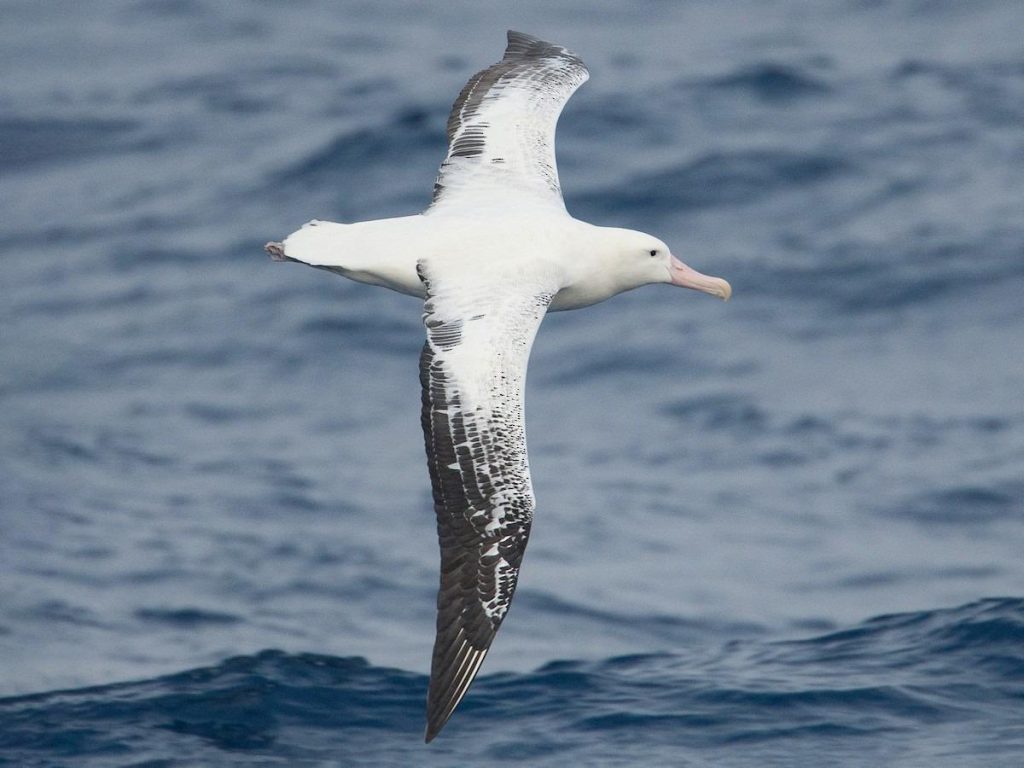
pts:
pixel 501 131
pixel 473 370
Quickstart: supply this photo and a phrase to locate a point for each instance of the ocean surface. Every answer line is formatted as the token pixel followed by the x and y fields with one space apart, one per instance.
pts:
pixel 783 531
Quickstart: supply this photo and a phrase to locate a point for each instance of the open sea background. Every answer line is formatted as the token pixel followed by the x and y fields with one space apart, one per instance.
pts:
pixel 783 531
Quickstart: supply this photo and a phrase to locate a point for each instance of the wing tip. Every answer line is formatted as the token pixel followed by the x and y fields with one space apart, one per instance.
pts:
pixel 437 718
pixel 516 41
pixel 520 45
pixel 447 691
pixel 432 730
pixel 436 721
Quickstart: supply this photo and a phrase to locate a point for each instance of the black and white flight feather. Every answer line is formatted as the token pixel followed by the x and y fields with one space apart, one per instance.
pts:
pixel 473 374
pixel 501 130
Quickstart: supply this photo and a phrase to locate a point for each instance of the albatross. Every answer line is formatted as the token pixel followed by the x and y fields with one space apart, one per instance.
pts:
pixel 492 253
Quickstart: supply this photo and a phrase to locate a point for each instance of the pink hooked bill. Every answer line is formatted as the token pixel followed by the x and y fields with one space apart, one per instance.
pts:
pixel 688 277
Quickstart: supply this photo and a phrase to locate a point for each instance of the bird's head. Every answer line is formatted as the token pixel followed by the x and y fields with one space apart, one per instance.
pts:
pixel 643 259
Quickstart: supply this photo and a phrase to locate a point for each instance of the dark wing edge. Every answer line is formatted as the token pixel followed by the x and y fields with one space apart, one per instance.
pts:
pixel 470 557
pixel 521 49
pixel 522 53
pixel 482 498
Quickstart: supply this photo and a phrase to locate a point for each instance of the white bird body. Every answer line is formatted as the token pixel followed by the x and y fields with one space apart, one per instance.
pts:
pixel 492 254
pixel 584 259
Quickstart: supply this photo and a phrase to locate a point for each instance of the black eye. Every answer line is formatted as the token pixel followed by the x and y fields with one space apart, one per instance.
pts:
pixel 654 253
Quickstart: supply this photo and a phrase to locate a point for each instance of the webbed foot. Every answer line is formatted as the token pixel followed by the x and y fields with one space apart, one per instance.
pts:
pixel 276 251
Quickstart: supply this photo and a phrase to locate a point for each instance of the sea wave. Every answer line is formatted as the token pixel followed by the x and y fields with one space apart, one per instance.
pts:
pixel 869 693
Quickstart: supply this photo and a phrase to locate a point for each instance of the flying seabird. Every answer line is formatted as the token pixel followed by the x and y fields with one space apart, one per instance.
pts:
pixel 494 251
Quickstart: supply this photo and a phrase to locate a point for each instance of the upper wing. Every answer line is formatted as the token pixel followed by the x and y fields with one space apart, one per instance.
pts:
pixel 501 131
pixel 473 370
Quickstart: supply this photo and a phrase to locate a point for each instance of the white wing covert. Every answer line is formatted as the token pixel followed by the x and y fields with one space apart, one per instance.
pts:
pixel 501 131
pixel 473 371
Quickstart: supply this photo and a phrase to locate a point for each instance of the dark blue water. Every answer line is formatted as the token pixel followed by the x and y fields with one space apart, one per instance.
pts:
pixel 211 472
pixel 931 688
